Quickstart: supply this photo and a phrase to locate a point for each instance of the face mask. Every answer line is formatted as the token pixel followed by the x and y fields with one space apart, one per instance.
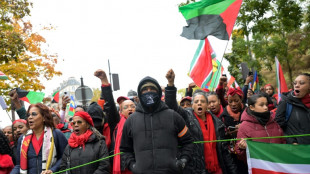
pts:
pixel 149 98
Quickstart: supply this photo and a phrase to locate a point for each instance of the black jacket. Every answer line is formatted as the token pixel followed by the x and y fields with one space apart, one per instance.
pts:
pixel 94 150
pixel 197 164
pixel 151 138
pixel 299 120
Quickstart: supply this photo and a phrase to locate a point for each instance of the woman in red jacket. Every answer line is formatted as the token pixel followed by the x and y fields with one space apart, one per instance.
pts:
pixel 257 121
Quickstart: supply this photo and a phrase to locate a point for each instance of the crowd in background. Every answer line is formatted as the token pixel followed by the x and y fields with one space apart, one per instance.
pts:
pixel 148 131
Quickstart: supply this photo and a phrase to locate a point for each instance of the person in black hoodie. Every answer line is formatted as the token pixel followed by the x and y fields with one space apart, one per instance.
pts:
pixel 152 134
pixel 293 113
pixel 207 158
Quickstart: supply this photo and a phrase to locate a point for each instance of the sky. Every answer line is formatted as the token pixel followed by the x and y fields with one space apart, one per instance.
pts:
pixel 140 38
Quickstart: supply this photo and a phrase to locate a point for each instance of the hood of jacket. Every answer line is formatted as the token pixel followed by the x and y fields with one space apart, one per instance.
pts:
pixel 95 111
pixel 290 97
pixel 152 80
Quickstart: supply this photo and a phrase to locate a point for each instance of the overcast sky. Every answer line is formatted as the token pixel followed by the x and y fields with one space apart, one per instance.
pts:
pixel 140 38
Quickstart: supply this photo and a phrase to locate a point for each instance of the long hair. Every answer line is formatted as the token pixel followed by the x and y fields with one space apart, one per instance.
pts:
pixel 45 112
pixel 4 144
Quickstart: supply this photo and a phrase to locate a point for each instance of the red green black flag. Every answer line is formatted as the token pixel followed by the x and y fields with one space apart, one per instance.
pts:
pixel 210 17
pixel 56 97
pixel 31 97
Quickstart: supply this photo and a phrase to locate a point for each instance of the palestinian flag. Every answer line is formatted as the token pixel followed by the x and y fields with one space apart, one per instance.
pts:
pixel 282 87
pixel 3 76
pixel 30 96
pixel 201 68
pixel 210 17
pixel 55 97
pixel 269 158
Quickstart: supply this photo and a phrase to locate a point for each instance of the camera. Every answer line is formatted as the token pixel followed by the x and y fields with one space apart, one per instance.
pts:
pixel 250 73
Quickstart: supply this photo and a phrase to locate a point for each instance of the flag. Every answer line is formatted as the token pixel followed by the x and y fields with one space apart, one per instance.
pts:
pixel 2 103
pixel 55 97
pixel 3 76
pixel 237 86
pixel 31 97
pixel 201 68
pixel 72 107
pixel 277 158
pixel 231 81
pixel 210 17
pixel 217 73
pixel 282 87
pixel 255 87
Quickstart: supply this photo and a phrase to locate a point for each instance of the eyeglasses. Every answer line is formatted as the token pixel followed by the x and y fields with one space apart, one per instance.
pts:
pixel 32 114
pixel 78 122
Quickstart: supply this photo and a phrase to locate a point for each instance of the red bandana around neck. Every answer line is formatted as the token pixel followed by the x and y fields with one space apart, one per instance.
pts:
pixel 220 112
pixel 76 141
pixel 37 143
pixel 117 158
pixel 306 100
pixel 234 115
pixel 210 154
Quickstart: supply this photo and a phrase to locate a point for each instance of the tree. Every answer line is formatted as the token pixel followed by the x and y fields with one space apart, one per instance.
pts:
pixel 22 55
pixel 269 28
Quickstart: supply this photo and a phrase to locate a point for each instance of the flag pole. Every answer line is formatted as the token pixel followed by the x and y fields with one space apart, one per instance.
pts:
pixel 9 115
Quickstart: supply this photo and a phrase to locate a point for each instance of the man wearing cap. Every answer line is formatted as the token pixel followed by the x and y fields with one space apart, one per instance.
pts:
pixel 186 102
pixel 152 134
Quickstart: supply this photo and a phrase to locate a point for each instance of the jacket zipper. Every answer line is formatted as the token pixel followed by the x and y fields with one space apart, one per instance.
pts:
pixel 152 141
pixel 38 166
pixel 267 133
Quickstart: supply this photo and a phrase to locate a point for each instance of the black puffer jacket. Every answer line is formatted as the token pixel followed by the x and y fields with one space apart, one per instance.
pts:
pixel 299 120
pixel 197 164
pixel 94 150
pixel 151 138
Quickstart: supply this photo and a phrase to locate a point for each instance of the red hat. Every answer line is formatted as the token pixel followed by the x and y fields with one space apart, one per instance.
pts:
pixel 186 98
pixel 267 86
pixel 122 98
pixel 20 120
pixel 233 91
pixel 85 116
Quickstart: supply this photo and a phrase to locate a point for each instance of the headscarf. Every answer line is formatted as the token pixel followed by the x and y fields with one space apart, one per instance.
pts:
pixel 85 116
pixel 233 91
pixel 20 120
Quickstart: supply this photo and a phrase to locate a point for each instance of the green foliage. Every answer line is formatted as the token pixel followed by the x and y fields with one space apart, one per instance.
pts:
pixel 269 29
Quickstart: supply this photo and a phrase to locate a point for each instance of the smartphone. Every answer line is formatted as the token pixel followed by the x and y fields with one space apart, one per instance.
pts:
pixel 231 128
pixel 250 73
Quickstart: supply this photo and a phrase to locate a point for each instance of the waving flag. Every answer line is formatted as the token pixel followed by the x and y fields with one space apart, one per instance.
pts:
pixel 55 97
pixel 282 87
pixel 210 17
pixel 3 76
pixel 201 68
pixel 270 158
pixel 255 87
pixel 72 107
pixel 31 97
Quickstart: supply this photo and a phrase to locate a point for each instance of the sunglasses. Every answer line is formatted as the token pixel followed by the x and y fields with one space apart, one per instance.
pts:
pixel 78 122
pixel 32 114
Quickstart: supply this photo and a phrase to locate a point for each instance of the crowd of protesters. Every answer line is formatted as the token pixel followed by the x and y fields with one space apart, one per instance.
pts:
pixel 148 131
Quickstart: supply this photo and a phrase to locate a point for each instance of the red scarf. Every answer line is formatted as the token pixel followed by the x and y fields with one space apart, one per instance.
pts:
pixel 106 134
pixel 306 100
pixel 220 111
pixel 37 143
pixel 234 115
pixel 60 126
pixel 76 141
pixel 117 158
pixel 208 132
